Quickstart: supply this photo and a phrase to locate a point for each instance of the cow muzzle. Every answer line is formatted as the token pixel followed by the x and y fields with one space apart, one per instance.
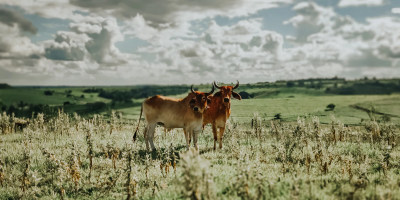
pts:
pixel 226 100
pixel 196 109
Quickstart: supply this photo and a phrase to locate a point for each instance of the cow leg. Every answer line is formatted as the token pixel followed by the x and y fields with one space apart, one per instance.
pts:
pixel 195 137
pixel 215 132
pixel 187 137
pixel 146 140
pixel 190 138
pixel 221 135
pixel 150 135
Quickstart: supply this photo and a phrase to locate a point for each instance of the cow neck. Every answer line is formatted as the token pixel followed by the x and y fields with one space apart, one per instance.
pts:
pixel 189 97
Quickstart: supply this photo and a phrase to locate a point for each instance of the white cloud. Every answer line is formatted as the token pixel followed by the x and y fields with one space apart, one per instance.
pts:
pixel 396 10
pixel 14 45
pixel 347 3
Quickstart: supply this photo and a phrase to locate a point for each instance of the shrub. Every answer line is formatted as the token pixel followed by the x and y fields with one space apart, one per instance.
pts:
pixel 330 107
pixel 278 116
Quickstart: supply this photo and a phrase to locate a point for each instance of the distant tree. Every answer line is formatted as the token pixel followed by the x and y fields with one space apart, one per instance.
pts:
pixel 290 84
pixel 278 116
pixel 335 85
pixel 319 85
pixel 67 103
pixel 69 95
pixel 82 96
pixel 365 78
pixel 245 95
pixel 48 92
pixel 68 91
pixel 328 89
pixel 301 83
pixel 330 107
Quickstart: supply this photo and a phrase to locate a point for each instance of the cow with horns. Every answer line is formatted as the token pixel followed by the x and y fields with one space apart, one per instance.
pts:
pixel 186 113
pixel 220 110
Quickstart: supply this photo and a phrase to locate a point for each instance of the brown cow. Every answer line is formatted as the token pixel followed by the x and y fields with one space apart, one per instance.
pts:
pixel 220 110
pixel 184 113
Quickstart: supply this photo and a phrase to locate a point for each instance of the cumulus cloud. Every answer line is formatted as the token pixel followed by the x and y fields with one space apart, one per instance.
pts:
pixel 227 50
pixel 10 17
pixel 310 19
pixel 13 44
pixel 396 10
pixel 67 46
pixel 164 12
pixel 347 3
pixel 62 9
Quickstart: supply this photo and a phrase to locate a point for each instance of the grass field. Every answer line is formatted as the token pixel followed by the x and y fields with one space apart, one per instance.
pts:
pixel 310 153
pixel 71 158
pixel 36 96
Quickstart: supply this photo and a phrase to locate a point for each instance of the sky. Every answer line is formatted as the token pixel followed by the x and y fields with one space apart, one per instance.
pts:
pixel 136 42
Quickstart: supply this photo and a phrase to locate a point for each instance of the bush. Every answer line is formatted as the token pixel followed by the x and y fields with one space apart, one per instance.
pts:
pixel 82 96
pixel 330 107
pixel 66 103
pixel 278 116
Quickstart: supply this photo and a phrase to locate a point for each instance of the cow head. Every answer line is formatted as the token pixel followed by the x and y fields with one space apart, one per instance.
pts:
pixel 200 100
pixel 226 92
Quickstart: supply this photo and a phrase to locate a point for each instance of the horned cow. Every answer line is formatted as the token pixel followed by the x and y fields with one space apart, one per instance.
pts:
pixel 220 110
pixel 186 113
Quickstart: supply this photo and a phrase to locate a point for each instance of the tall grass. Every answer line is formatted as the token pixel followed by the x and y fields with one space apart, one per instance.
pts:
pixel 69 157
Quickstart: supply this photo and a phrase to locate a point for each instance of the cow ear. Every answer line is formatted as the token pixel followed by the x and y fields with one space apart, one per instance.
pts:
pixel 236 96
pixel 192 102
pixel 218 94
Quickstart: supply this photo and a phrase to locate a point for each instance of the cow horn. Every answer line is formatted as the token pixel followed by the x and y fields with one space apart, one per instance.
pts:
pixel 236 86
pixel 212 91
pixel 217 86
pixel 192 89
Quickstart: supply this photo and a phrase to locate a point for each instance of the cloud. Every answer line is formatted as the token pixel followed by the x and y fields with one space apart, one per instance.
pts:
pixel 310 19
pixel 62 9
pixel 14 45
pixel 347 3
pixel 10 17
pixel 67 46
pixel 396 10
pixel 93 36
pixel 138 27
pixel 240 50
pixel 164 12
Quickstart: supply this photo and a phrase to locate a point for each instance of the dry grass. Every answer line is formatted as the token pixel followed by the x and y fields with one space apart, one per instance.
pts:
pixel 69 157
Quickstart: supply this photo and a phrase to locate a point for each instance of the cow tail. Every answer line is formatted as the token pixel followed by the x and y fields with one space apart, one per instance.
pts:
pixel 137 128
